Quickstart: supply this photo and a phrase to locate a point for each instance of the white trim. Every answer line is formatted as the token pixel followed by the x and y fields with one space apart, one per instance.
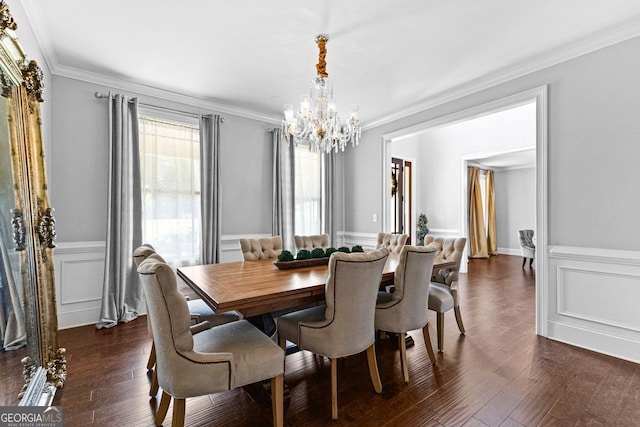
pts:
pixel 79 247
pixel 560 291
pixel 603 39
pixel 595 321
pixel 610 256
pixel 539 95
pixel 571 51
pixel 594 340
pixel 509 251
pixel 350 238
pixel 41 35
pixel 444 232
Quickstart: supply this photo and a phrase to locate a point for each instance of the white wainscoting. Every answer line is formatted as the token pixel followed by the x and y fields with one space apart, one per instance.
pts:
pixel 594 299
pixel 510 251
pixel 350 239
pixel 79 269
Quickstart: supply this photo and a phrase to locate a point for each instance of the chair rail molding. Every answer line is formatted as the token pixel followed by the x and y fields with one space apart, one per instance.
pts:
pixel 593 295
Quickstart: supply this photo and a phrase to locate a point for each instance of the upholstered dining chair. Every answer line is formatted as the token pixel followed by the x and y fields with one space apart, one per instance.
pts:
pixel 255 249
pixel 211 361
pixel 311 242
pixel 527 246
pixel 199 312
pixel 443 291
pixel 405 309
pixel 344 325
pixel 393 242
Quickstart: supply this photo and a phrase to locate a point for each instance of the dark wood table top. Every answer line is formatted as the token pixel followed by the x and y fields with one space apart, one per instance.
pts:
pixel 259 287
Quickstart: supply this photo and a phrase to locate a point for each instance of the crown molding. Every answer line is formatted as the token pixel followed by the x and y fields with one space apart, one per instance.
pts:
pixel 40 31
pixel 570 51
pixel 148 90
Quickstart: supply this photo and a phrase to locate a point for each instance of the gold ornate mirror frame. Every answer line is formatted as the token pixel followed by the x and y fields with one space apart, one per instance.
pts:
pixel 32 221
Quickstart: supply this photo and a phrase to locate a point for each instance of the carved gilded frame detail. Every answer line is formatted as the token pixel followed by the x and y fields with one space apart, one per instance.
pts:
pixel 32 221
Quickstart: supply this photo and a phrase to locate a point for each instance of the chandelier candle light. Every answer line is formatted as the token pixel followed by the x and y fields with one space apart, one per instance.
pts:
pixel 317 124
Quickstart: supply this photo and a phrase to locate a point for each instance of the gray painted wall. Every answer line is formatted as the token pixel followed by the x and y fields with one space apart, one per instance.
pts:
pixel 593 129
pixel 515 192
pixel 593 104
pixel 79 159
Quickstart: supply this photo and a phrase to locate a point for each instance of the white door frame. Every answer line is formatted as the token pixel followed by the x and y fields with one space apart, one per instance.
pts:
pixel 539 96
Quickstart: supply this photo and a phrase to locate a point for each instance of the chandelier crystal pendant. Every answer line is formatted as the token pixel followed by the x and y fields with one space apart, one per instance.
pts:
pixel 317 124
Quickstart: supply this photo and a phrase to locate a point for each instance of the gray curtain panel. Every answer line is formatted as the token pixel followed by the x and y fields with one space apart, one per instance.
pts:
pixel 122 293
pixel 283 190
pixel 210 188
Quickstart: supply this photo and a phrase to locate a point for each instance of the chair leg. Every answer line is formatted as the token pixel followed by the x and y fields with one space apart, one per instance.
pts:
pixel 456 310
pixel 524 261
pixel 282 342
pixel 163 408
pixel 178 413
pixel 427 343
pixel 334 388
pixel 530 262
pixel 152 357
pixel 373 368
pixel 440 326
pixel 277 400
pixel 153 390
pixel 403 357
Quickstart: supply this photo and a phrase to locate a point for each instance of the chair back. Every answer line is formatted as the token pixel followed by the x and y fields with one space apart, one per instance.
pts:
pixel 449 248
pixel 526 239
pixel 350 295
pixel 255 249
pixel 407 309
pixel 311 242
pixel 393 242
pixel 142 252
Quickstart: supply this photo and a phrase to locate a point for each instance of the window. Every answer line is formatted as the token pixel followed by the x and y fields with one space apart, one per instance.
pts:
pixel 170 170
pixel 308 191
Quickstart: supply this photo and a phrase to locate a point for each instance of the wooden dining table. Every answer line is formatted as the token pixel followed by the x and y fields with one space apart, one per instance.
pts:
pixel 256 288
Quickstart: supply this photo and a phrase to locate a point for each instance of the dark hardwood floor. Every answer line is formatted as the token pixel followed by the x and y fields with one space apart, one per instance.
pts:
pixel 499 374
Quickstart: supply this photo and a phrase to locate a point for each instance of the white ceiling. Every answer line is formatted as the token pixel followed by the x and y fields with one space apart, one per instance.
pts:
pixel 391 58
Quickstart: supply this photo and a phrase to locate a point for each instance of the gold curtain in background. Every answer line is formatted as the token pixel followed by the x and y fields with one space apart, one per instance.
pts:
pixel 477 233
pixel 492 240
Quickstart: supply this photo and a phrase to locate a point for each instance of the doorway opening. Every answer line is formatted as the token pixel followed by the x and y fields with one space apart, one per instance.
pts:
pixel 401 216
pixel 451 208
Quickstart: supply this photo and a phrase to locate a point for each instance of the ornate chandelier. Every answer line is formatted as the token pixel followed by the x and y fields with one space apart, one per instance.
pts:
pixel 317 124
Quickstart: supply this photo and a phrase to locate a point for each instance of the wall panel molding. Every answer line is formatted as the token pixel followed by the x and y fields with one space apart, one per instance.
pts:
pixel 594 296
pixel 79 269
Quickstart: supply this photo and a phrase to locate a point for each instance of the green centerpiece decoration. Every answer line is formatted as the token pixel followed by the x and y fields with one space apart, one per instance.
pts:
pixel 306 258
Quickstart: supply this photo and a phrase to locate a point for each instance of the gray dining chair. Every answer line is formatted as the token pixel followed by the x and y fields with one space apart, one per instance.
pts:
pixel 393 242
pixel 311 242
pixel 263 248
pixel 443 291
pixel 405 309
pixel 527 246
pixel 213 360
pixel 199 312
pixel 344 325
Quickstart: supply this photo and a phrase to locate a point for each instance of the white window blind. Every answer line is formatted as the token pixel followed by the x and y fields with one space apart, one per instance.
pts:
pixel 307 192
pixel 170 169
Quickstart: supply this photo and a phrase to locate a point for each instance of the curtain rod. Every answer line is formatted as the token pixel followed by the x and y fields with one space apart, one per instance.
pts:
pixel 101 95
